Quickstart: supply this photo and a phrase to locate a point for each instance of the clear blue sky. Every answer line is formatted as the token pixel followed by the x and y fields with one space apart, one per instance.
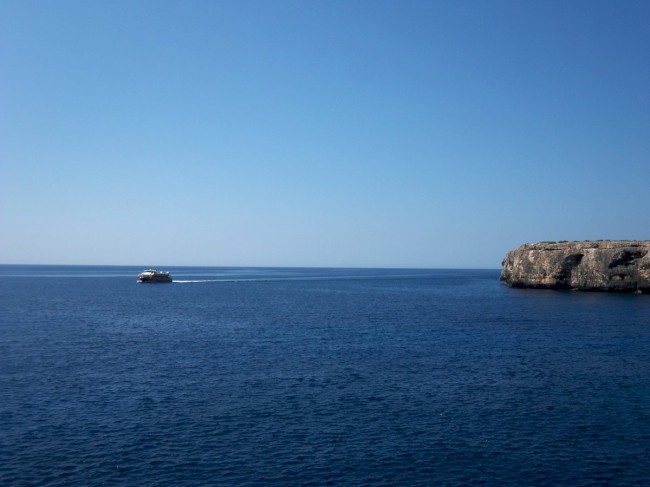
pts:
pixel 319 133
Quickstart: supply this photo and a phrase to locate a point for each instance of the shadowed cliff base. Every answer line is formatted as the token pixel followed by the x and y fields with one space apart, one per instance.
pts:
pixel 604 265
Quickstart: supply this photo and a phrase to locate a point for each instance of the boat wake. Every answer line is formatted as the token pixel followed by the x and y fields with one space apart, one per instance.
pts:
pixel 194 281
pixel 175 281
pixel 298 278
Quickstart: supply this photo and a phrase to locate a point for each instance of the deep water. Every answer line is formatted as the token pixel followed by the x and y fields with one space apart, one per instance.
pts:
pixel 262 377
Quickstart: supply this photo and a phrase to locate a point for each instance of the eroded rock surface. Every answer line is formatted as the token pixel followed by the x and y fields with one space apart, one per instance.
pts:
pixel 608 265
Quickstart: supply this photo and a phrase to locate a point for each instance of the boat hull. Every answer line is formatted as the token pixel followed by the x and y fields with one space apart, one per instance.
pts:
pixel 154 280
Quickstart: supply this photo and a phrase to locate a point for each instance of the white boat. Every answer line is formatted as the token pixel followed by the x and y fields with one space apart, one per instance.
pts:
pixel 152 275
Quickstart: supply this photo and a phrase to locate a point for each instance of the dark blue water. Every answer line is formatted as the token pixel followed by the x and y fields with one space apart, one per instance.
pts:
pixel 318 377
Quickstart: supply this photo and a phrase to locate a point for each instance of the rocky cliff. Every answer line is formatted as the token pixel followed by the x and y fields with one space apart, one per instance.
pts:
pixel 608 265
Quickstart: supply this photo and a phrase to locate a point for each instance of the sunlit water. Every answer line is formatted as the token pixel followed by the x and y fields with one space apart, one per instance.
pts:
pixel 318 377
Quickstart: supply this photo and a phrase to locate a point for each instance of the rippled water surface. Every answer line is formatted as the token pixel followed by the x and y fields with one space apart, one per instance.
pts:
pixel 318 377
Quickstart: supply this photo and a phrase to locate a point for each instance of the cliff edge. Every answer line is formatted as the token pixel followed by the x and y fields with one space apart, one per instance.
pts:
pixel 607 265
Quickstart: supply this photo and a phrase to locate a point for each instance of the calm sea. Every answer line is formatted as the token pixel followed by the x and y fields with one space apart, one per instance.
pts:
pixel 262 377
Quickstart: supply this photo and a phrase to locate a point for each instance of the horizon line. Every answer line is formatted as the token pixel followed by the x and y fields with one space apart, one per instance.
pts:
pixel 254 266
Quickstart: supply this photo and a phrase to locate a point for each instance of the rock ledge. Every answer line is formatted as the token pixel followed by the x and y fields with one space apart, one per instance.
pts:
pixel 606 265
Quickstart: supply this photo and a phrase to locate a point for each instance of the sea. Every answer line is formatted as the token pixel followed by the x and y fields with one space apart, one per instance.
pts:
pixel 310 377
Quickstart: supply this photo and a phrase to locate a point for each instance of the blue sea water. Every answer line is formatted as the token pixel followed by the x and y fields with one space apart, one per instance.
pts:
pixel 262 377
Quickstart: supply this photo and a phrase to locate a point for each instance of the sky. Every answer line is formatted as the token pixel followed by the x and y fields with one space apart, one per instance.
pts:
pixel 430 134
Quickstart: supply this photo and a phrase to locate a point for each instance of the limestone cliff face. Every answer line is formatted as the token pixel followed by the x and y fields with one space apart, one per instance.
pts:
pixel 609 265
